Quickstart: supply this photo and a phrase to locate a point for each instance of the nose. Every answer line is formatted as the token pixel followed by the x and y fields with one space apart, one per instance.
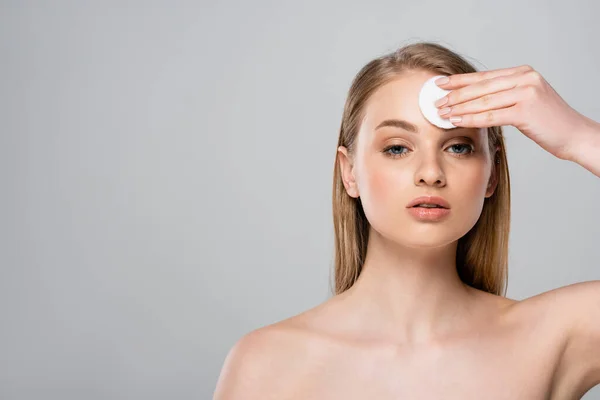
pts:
pixel 429 171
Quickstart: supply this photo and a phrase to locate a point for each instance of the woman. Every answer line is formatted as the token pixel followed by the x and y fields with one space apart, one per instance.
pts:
pixel 419 309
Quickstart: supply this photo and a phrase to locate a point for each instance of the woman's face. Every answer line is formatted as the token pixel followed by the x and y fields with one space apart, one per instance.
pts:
pixel 392 166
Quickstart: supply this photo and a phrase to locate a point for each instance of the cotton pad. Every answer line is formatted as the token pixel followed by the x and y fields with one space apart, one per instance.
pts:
pixel 430 93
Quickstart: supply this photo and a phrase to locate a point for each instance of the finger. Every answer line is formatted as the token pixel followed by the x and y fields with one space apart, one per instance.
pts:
pixel 493 101
pixel 504 116
pixel 482 88
pixel 461 80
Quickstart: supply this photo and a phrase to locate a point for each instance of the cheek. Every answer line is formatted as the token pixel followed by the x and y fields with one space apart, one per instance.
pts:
pixel 382 183
pixel 473 184
pixel 470 194
pixel 384 192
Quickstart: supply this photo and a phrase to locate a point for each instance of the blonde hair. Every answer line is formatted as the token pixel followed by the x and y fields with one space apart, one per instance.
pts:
pixel 482 253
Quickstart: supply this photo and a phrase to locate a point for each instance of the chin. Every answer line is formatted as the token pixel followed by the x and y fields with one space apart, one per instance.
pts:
pixel 425 235
pixel 428 241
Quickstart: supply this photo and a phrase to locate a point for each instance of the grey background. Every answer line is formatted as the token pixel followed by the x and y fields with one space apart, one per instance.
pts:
pixel 166 172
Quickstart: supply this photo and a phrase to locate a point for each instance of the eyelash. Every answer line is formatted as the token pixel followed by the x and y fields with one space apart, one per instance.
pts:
pixel 469 146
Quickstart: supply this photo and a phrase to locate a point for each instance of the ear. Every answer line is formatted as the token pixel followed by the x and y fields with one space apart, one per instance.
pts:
pixel 347 172
pixel 493 181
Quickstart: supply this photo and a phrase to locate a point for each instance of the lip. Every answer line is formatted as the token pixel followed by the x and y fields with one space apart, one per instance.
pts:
pixel 429 214
pixel 430 200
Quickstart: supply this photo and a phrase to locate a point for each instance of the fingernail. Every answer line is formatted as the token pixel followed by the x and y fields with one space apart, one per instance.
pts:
pixel 444 110
pixel 441 101
pixel 455 119
pixel 442 81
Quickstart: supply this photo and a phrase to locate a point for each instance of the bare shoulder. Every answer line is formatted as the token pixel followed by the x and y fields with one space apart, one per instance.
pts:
pixel 566 306
pixel 570 316
pixel 264 362
pixel 569 293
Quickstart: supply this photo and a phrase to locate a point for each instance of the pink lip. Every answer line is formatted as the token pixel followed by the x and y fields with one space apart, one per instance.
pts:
pixel 429 200
pixel 428 214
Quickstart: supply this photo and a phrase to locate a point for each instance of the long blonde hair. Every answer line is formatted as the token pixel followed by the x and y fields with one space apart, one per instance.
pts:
pixel 482 253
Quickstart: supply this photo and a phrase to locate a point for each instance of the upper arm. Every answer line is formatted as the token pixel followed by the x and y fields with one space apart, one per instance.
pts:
pixel 579 311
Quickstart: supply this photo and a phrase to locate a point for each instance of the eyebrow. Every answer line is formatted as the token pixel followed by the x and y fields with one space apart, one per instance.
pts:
pixel 399 123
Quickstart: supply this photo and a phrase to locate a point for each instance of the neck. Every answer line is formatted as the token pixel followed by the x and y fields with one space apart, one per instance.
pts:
pixel 412 294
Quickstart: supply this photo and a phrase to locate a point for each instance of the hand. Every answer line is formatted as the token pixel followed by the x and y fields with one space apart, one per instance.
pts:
pixel 517 96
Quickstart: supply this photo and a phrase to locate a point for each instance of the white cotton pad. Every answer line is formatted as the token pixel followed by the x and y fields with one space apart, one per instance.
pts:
pixel 430 93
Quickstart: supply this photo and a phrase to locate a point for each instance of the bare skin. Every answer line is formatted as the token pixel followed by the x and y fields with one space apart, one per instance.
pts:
pixel 509 350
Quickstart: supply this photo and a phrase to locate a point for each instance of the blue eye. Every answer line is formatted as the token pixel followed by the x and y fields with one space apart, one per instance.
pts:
pixel 394 154
pixel 459 150
pixel 464 145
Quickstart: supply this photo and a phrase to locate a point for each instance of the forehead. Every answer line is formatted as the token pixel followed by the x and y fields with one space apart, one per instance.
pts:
pixel 399 99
